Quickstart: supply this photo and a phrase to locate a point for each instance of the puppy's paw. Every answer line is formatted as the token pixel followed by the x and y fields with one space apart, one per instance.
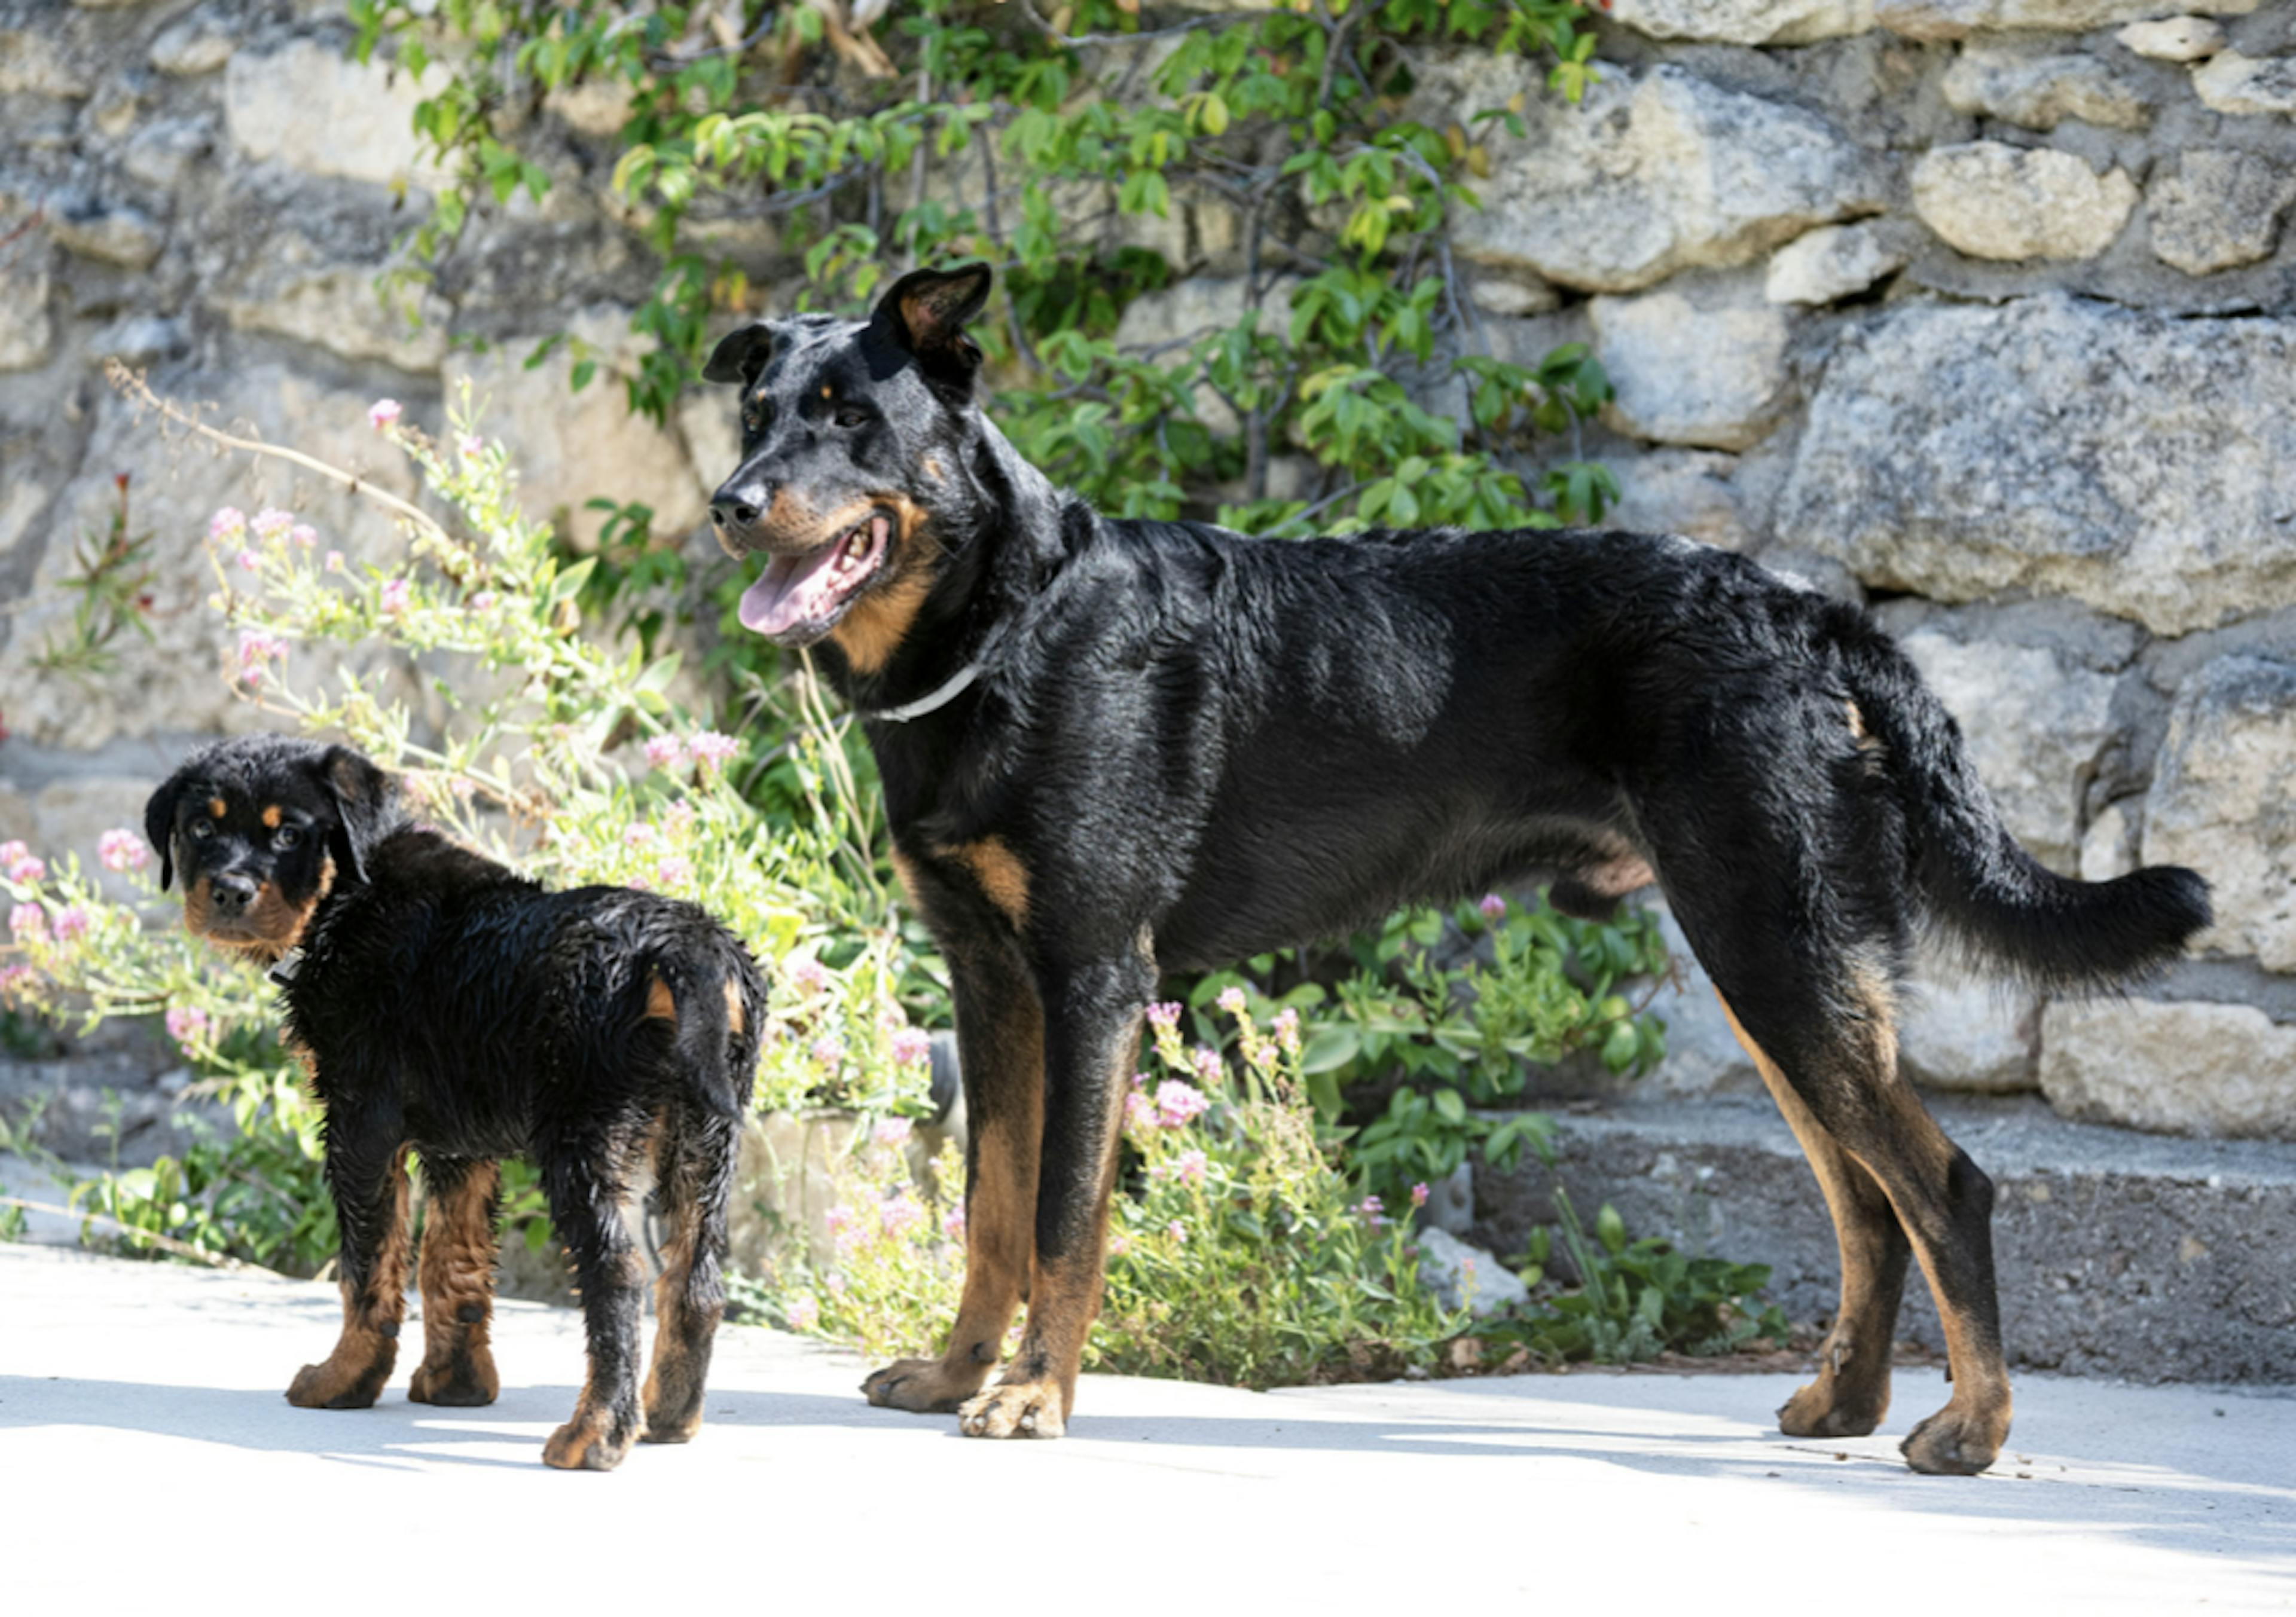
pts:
pixel 925 1385
pixel 1958 1440
pixel 466 1383
pixel 592 1441
pixel 329 1386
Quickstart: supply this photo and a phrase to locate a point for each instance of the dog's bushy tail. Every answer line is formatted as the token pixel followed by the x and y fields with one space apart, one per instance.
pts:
pixel 720 1002
pixel 1976 883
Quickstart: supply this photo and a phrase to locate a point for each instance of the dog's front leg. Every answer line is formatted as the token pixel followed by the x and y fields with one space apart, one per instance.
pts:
pixel 366 1170
pixel 585 1198
pixel 457 1278
pixel 1092 1035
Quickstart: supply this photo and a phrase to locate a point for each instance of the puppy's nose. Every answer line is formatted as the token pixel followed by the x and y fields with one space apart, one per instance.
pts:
pixel 231 895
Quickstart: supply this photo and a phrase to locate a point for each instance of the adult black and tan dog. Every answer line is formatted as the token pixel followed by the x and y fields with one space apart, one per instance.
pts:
pixel 1114 748
pixel 447 1004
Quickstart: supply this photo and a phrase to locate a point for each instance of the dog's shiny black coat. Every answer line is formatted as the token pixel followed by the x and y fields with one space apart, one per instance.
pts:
pixel 1185 746
pixel 447 1004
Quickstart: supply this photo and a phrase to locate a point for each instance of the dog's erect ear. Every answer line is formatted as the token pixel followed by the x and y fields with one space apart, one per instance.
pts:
pixel 361 792
pixel 926 311
pixel 742 357
pixel 159 823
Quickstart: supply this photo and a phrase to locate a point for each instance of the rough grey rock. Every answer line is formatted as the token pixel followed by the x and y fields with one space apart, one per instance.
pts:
pixel 1745 21
pixel 2171 1066
pixel 296 289
pixel 2223 802
pixel 2108 846
pixel 1162 323
pixel 1467 1277
pixel 1923 463
pixel 1696 362
pixel 572 447
pixel 2174 38
pixel 1511 295
pixel 1959 18
pixel 2119 1255
pixel 161 153
pixel 2219 210
pixel 1833 261
pixel 192 46
pixel 1451 1200
pixel 1653 172
pixel 1995 201
pixel 113 233
pixel 1683 491
pixel 2247 86
pixel 33 61
pixel 2040 91
pixel 2035 724
pixel 26 333
pixel 366 135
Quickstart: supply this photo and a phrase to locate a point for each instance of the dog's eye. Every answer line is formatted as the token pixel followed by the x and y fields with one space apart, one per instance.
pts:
pixel 286 836
pixel 850 415
pixel 202 830
pixel 756 415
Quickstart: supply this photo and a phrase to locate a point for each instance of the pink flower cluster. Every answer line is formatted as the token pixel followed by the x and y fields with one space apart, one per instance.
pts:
pixel 675 870
pixel 21 864
pixel 382 413
pixel 1419 1194
pixel 912 1045
pixel 828 1052
pixel 27 923
pixel 664 751
pixel 1494 908
pixel 1209 1068
pixel 891 1130
pixel 186 1023
pixel 272 523
pixel 1164 1015
pixel 227 526
pixel 951 1222
pixel 1232 1001
pixel 256 650
pixel 803 1313
pixel 72 922
pixel 808 974
pixel 899 1214
pixel 122 850
pixel 1189 1168
pixel 1178 1103
pixel 710 748
pixel 395 595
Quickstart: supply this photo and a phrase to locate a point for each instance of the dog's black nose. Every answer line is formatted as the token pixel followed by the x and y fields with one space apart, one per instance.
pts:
pixel 231 895
pixel 731 514
pixel 735 508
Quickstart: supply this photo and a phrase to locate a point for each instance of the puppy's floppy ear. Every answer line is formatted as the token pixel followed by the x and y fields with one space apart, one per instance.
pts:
pixel 925 312
pixel 361 793
pixel 159 822
pixel 742 357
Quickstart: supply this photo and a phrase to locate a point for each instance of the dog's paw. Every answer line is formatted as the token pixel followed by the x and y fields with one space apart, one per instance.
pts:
pixel 469 1386
pixel 326 1386
pixel 1826 1408
pixel 925 1385
pixel 592 1441
pixel 1016 1408
pixel 1957 1441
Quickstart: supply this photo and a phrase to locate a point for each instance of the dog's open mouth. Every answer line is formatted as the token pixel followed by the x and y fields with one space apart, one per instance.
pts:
pixel 798 598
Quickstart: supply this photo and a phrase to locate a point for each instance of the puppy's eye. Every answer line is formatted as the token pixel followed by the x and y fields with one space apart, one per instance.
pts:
pixel 202 830
pixel 756 415
pixel 850 415
pixel 287 837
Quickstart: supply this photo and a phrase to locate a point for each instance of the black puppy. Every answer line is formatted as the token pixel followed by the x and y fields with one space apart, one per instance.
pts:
pixel 1113 749
pixel 446 1004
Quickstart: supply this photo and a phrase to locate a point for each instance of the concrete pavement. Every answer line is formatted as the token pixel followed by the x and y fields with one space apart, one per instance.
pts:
pixel 145 1450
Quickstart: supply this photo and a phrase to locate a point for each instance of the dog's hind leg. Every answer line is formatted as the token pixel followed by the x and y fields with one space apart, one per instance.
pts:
pixel 582 1181
pixel 1826 1045
pixel 457 1278
pixel 1000 1031
pixel 1851 1392
pixel 368 1177
pixel 696 1155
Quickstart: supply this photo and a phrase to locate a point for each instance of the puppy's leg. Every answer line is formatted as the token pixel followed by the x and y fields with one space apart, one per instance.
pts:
pixel 697 1159
pixel 368 1176
pixel 1091 1043
pixel 585 1192
pixel 1000 1031
pixel 457 1278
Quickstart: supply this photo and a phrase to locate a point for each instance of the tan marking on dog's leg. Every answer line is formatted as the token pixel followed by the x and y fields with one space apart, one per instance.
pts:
pixel 1000 873
pixel 457 1273
pixel 353 1375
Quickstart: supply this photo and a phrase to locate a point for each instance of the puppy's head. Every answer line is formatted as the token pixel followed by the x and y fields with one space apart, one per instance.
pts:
pixel 262 827
pixel 858 440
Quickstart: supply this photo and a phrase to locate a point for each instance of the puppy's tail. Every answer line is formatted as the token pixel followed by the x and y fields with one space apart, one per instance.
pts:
pixel 1975 882
pixel 720 1004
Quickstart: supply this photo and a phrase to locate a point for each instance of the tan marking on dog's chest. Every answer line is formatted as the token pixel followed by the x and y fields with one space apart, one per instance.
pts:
pixel 1000 873
pixel 659 1002
pixel 735 1020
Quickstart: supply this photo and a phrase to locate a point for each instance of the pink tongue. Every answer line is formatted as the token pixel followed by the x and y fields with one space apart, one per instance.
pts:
pixel 793 591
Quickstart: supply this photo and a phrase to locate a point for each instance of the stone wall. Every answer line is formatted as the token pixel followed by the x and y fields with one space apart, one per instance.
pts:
pixel 1981 311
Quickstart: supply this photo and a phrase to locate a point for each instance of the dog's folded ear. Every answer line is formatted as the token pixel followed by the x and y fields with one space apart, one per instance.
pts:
pixel 740 358
pixel 159 822
pixel 926 311
pixel 361 793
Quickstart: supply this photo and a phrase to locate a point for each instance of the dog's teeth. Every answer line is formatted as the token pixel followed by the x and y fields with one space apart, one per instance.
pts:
pixel 857 544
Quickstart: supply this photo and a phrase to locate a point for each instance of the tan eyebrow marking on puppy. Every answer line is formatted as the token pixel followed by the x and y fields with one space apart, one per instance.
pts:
pixel 270 816
pixel 824 389
pixel 217 807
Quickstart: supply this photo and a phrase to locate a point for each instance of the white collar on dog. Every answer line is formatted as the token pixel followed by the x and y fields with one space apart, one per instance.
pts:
pixel 283 969
pixel 941 696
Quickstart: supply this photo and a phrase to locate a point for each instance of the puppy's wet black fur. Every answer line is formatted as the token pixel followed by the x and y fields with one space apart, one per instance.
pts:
pixel 446 1004
pixel 1177 747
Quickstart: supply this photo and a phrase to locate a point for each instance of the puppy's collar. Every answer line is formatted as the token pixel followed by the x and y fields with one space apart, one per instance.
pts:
pixel 283 969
